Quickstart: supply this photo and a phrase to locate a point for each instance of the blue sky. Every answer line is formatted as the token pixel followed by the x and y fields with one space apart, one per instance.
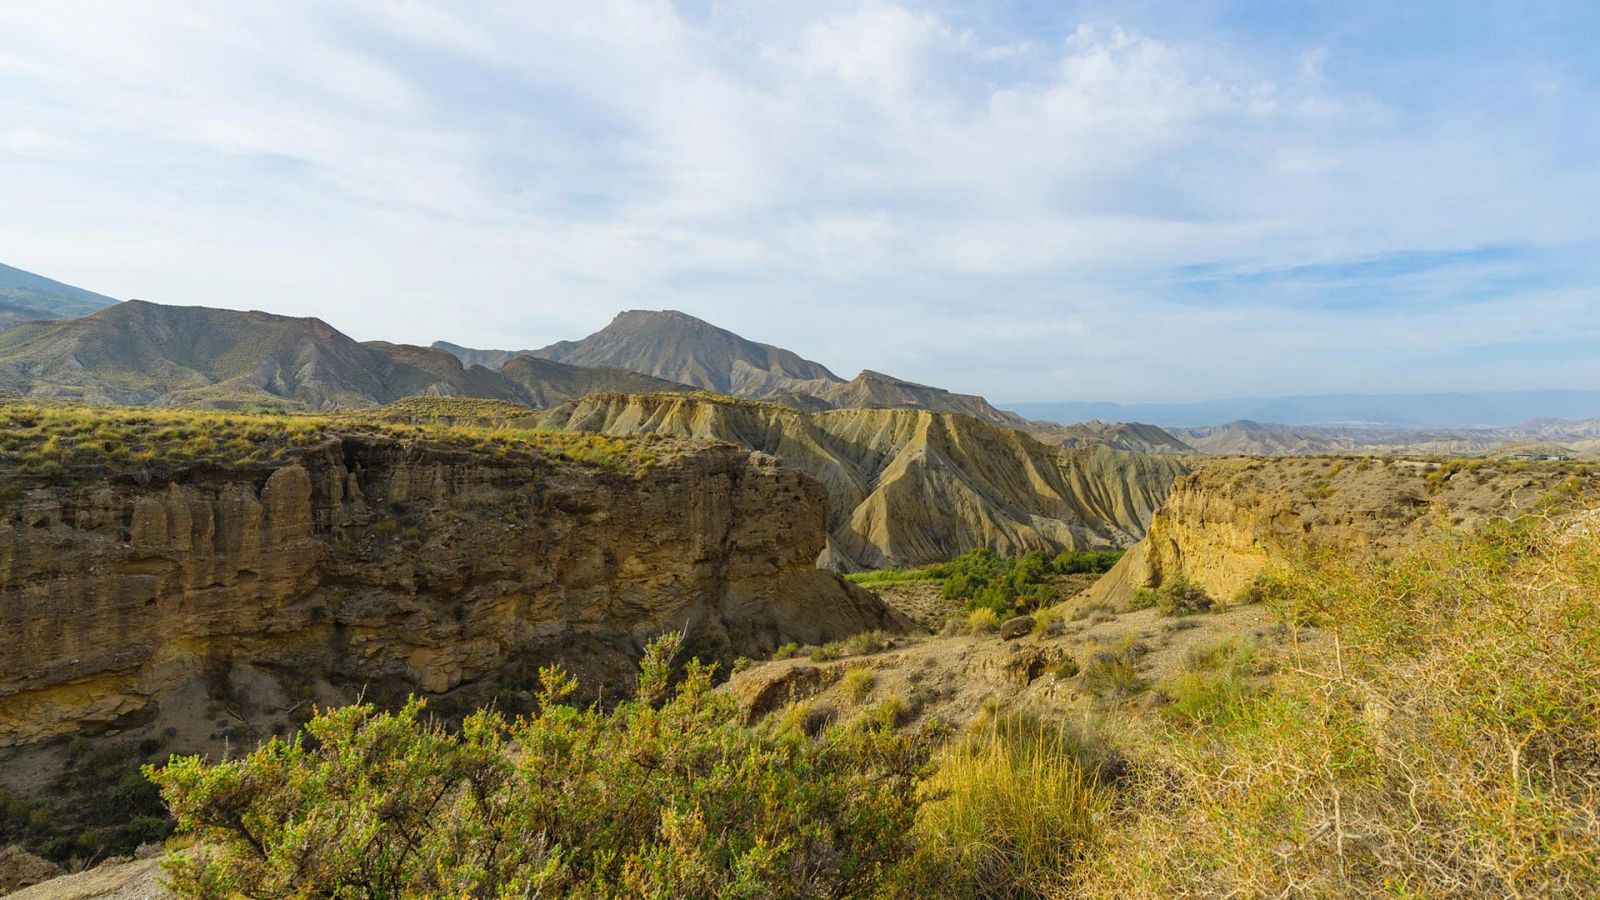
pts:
pixel 1029 200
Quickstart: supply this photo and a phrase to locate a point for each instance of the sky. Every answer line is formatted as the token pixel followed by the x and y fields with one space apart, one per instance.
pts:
pixel 1035 201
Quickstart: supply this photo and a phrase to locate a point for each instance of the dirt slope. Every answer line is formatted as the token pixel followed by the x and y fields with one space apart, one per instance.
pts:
pixel 909 487
pixel 1230 519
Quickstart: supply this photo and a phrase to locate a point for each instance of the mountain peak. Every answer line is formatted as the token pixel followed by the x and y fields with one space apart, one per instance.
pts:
pixel 662 316
pixel 678 347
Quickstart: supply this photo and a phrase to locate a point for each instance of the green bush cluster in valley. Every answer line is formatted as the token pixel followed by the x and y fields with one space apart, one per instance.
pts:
pixel 982 579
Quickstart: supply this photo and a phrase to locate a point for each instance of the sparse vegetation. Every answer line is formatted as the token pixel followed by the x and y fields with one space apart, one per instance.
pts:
pixel 1178 596
pixel 1045 621
pixel 98 804
pixel 859 644
pixel 857 683
pixel 1112 674
pixel 1214 686
pixel 1439 739
pixel 894 575
pixel 983 621
pixel 58 441
pixel 1009 811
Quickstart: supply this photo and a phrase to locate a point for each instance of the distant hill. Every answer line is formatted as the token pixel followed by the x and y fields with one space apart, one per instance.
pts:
pixel 875 390
pixel 25 296
pixel 148 353
pixel 679 347
pixel 682 349
pixel 1135 436
pixel 912 486
pixel 489 359
pixel 1443 410
pixel 1247 438
pixel 543 382
pixel 1540 437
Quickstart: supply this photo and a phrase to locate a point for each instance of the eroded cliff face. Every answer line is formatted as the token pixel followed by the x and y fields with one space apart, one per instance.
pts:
pixel 910 487
pixel 375 559
pixel 1232 518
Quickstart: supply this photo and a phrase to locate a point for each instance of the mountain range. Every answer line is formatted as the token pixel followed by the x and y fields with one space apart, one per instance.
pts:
pixel 66 342
pixel 680 348
pixel 146 353
pixel 1484 409
pixel 1534 438
pixel 25 296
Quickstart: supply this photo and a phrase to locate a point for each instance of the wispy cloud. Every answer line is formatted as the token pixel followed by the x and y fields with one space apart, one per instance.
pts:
pixel 1031 201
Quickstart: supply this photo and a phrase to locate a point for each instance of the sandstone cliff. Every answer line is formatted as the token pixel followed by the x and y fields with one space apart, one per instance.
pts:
pixel 1231 518
pixel 912 486
pixel 376 558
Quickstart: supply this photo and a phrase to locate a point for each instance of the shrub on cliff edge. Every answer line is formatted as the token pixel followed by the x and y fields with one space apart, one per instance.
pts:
pixel 666 795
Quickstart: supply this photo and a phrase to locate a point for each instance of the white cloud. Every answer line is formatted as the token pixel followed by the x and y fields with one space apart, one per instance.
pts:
pixel 513 174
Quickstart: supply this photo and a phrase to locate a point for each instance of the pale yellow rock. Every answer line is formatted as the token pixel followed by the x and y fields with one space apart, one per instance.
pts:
pixel 1231 519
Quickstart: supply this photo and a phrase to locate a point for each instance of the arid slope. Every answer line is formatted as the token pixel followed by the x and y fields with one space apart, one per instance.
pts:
pixel 908 486
pixel 425 559
pixel 1231 518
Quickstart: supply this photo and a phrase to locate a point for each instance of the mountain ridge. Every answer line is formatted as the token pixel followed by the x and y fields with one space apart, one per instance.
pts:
pixel 25 296
pixel 1446 409
pixel 145 353
pixel 681 348
pixel 913 486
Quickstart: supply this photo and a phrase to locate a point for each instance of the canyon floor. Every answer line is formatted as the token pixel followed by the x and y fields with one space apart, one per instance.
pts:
pixel 957 678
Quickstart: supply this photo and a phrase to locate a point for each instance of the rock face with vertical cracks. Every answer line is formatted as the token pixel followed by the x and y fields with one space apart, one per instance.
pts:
pixel 373 559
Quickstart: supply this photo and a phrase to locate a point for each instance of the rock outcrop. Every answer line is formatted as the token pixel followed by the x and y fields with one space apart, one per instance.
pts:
pixel 20 869
pixel 375 559
pixel 910 486
pixel 1230 519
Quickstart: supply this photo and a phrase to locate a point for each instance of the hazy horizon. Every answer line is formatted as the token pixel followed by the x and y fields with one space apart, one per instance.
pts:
pixel 1034 202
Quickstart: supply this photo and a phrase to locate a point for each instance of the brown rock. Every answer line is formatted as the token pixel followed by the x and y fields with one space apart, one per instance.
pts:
pixel 20 869
pixel 422 566
pixel 1012 629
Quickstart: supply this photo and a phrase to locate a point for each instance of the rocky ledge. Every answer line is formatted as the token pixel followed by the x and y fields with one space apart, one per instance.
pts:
pixel 371 561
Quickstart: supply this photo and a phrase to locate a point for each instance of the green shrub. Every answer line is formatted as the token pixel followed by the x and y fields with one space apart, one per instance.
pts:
pixel 1215 686
pixel 983 580
pixel 1178 596
pixel 785 651
pixel 1074 562
pixel 1143 598
pixel 828 652
pixel 865 642
pixel 671 799
pixel 1110 674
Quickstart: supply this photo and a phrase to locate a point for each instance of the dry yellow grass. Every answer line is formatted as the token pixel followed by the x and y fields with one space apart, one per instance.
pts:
pixel 1443 742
